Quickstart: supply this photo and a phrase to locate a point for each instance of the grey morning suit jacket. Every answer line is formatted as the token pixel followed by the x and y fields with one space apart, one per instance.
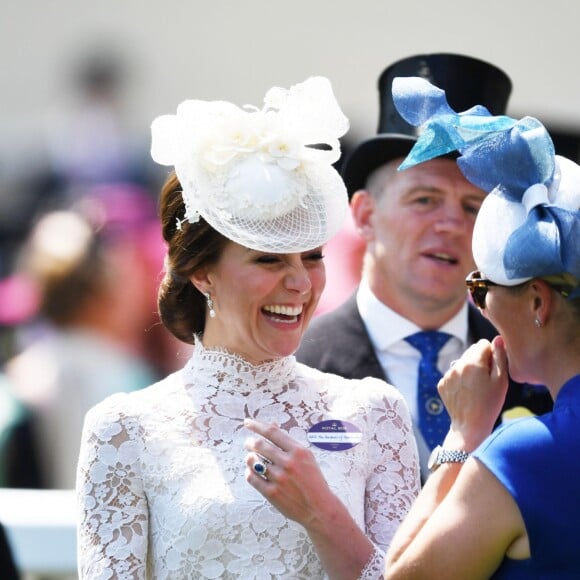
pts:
pixel 337 342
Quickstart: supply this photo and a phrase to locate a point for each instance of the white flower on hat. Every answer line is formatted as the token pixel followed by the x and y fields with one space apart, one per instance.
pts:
pixel 238 166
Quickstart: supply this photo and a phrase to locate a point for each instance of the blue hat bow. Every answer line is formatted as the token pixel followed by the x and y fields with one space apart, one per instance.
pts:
pixel 532 216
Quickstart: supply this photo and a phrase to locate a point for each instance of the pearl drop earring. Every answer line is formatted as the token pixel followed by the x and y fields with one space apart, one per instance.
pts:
pixel 209 300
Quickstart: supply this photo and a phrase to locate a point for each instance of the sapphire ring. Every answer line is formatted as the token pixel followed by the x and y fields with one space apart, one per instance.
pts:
pixel 260 468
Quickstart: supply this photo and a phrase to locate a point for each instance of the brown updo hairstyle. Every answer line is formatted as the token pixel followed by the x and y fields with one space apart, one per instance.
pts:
pixel 182 307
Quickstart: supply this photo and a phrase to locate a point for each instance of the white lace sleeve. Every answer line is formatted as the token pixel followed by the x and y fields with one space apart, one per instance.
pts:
pixel 113 522
pixel 375 567
pixel 394 480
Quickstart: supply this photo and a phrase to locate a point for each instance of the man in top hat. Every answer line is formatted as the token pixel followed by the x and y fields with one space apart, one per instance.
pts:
pixel 410 316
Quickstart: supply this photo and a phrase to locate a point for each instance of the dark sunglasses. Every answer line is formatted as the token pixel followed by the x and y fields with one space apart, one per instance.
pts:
pixel 478 287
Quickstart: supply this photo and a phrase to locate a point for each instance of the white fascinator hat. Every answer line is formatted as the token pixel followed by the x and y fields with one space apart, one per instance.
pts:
pixel 263 178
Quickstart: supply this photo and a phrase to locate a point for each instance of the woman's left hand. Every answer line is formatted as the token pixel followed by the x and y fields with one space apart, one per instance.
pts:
pixel 293 482
pixel 473 391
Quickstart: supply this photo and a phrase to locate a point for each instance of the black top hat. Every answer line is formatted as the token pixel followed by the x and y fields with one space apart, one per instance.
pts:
pixel 466 81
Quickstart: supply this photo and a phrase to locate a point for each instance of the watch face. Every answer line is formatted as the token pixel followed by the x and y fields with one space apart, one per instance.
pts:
pixel 433 463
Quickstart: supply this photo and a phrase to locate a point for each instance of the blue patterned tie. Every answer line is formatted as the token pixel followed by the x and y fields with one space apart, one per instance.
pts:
pixel 433 417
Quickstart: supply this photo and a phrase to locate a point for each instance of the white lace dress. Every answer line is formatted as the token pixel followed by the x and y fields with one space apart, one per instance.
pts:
pixel 161 485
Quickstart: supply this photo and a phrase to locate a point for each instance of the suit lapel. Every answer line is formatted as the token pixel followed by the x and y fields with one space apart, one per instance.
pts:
pixel 356 355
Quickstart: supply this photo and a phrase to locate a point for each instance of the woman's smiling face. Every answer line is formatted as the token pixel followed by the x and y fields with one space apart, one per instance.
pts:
pixel 263 301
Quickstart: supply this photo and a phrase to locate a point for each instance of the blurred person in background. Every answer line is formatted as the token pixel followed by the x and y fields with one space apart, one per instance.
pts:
pixel 19 460
pixel 94 269
pixel 88 138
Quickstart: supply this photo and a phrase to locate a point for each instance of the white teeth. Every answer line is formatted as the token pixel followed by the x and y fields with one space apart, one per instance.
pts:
pixel 443 256
pixel 286 310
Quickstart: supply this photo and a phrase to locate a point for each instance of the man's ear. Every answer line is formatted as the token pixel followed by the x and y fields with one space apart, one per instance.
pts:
pixel 362 206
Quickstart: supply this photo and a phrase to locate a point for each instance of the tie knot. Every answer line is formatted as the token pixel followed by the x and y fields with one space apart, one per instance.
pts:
pixel 428 342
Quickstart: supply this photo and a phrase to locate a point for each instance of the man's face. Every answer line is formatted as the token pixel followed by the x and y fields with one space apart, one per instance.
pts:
pixel 418 233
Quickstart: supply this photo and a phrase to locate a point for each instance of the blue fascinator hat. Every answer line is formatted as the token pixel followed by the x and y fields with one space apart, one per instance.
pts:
pixel 529 224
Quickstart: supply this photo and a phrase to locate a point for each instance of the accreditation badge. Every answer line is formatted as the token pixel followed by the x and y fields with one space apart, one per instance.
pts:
pixel 334 435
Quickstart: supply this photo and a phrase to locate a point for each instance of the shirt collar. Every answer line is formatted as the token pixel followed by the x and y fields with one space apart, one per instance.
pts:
pixel 386 327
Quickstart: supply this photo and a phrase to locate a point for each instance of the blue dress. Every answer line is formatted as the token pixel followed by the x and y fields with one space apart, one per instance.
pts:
pixel 537 459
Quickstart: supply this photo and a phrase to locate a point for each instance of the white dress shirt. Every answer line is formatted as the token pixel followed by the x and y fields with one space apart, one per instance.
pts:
pixel 399 360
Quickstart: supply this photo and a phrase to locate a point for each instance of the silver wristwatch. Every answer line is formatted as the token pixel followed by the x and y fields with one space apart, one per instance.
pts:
pixel 439 456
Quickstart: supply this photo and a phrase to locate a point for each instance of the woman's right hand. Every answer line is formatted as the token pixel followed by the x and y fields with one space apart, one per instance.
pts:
pixel 473 391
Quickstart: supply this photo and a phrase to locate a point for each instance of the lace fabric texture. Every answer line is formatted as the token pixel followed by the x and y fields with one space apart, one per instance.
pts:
pixel 161 484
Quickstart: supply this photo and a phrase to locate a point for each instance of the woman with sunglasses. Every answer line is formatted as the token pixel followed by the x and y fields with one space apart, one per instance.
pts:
pixel 507 504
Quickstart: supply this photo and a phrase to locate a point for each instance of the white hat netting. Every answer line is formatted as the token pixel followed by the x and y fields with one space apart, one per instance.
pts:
pixel 254 175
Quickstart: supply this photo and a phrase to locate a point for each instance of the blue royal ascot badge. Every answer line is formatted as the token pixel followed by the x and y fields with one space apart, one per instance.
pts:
pixel 334 435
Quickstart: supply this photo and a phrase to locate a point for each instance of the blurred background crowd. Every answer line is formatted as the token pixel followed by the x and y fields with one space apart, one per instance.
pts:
pixel 80 247
pixel 81 256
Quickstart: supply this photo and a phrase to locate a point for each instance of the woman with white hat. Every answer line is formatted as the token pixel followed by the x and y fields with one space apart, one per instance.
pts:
pixel 162 472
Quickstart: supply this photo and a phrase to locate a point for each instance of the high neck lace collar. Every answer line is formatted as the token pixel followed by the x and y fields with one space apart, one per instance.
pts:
pixel 227 371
